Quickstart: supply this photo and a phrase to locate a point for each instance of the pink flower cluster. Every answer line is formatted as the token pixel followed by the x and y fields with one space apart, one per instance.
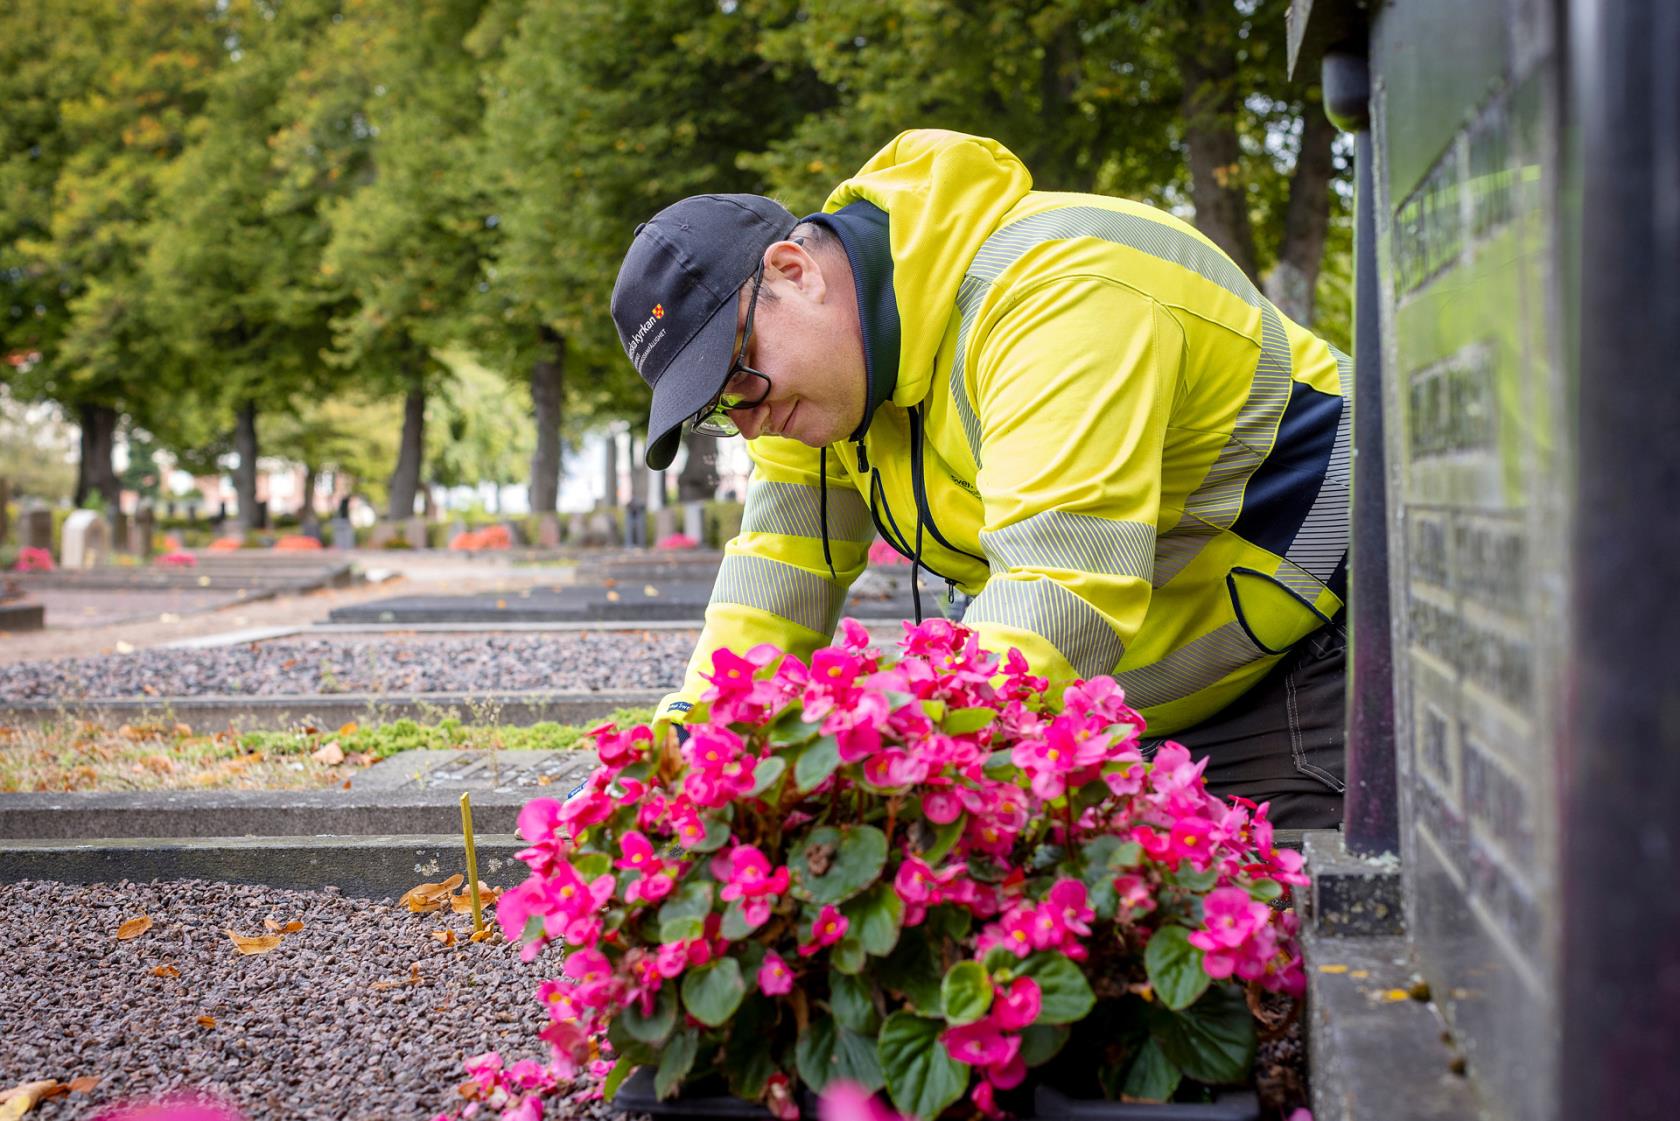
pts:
pixel 676 855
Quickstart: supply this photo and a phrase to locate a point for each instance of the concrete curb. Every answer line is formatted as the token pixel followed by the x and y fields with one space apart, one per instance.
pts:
pixel 365 867
pixel 329 710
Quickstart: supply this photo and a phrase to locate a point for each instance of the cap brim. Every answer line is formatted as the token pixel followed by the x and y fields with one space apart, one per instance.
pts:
pixel 694 376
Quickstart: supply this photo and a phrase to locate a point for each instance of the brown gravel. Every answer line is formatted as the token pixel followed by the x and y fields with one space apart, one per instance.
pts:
pixel 311 1029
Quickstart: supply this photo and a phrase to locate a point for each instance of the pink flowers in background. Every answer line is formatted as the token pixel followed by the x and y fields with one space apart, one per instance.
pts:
pixel 819 814
pixel 881 553
pixel 33 559
pixel 677 541
pixel 176 559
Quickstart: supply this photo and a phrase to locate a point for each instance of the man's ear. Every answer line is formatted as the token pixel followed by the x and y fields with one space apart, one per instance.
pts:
pixel 796 265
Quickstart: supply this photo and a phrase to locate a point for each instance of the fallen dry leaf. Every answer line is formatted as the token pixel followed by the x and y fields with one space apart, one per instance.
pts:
pixel 346 785
pixel 650 591
pixel 347 730
pixel 255 944
pixel 461 904
pixel 165 971
pixel 182 731
pixel 447 937
pixel 293 927
pixel 543 780
pixel 430 897
pixel 134 927
pixel 329 754
pixel 484 935
pixel 272 923
pixel 207 1021
pixel 311 730
pixel 413 978
pixel 612 596
pixel 84 1084
pixel 364 758
pixel 19 1100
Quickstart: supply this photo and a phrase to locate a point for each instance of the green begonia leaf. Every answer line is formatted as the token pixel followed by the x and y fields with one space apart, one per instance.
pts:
pixel 675 1061
pixel 766 774
pixel 945 838
pixel 851 859
pixel 921 1076
pixel 591 865
pixel 747 1062
pixel 847 955
pixel 652 1029
pixel 967 992
pixel 621 1070
pixel 961 721
pixel 1175 967
pixel 875 917
pixel 683 916
pixel 1213 1040
pixel 816 763
pixel 911 969
pixel 852 1000
pixel 717 835
pixel 1040 1042
pixel 1067 997
pixel 828 1051
pixel 714 991
pixel 735 925
pixel 1152 1076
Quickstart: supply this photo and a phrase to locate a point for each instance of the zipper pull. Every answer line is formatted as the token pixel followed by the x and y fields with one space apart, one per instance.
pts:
pixel 950 593
pixel 863 460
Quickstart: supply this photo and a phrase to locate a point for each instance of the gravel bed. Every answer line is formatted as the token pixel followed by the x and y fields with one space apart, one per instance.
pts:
pixel 587 661
pixel 308 1030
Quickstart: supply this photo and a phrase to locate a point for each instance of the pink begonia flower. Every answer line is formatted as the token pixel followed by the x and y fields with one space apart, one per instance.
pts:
pixel 1135 894
pixel 1072 902
pixel 941 806
pixel 985 1099
pixel 652 888
pixel 639 854
pixel 1230 917
pixel 538 819
pixel 529 1109
pixel 828 929
pixel 568 1047
pixel 671 959
pixel 529 1074
pixel 893 768
pixel 778 1098
pixel 750 875
pixel 756 912
pixel 1191 839
pixel 1017 1005
pixel 1301 1114
pixel 1008 1075
pixel 980 1044
pixel 847 1101
pixel 774 977
pixel 558 997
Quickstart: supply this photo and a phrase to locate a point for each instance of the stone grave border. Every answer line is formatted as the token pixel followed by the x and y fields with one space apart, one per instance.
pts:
pixel 329 710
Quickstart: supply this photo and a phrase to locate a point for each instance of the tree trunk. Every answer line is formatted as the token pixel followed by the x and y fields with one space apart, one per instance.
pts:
pixel 698 480
pixel 609 468
pixel 307 518
pixel 1211 103
pixel 405 480
pixel 548 374
pixel 94 470
pixel 245 475
pixel 1293 283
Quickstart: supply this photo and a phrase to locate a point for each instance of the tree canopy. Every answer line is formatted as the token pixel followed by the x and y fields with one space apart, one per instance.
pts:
pixel 215 211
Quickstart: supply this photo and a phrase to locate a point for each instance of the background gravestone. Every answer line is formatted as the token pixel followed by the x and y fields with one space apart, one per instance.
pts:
pixel 5 512
pixel 414 532
pixel 36 529
pixel 117 523
pixel 664 523
pixel 140 529
pixel 86 541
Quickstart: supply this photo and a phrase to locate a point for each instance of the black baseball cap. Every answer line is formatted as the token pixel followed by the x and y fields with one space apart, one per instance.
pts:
pixel 675 300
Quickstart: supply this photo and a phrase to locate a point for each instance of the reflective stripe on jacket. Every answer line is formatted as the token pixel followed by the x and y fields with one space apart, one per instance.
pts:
pixel 1128 457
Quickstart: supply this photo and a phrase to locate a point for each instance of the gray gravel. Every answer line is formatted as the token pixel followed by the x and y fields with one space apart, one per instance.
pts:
pixel 588 661
pixel 301 1032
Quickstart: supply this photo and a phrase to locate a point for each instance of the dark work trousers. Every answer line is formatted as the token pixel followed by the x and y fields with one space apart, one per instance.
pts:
pixel 1283 741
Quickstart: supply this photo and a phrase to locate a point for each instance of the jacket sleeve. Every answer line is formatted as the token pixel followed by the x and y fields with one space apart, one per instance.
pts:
pixel 1073 381
pixel 774 584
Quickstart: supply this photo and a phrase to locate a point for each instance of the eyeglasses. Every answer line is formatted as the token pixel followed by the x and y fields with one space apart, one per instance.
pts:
pixel 741 388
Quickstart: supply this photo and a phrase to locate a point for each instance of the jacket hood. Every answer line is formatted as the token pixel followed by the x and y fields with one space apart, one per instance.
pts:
pixel 944 193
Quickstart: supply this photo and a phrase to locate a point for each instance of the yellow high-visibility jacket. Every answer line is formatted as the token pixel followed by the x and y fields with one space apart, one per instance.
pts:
pixel 1129 458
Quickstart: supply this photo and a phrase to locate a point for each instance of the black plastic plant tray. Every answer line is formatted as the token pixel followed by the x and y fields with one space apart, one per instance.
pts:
pixel 1053 1105
pixel 637 1096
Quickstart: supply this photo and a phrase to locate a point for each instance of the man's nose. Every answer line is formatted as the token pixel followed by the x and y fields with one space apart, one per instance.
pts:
pixel 751 421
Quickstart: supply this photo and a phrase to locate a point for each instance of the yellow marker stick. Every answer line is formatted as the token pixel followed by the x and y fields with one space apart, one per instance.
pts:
pixel 472 862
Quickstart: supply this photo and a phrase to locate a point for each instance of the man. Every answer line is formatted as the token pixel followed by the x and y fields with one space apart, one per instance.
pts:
pixel 1074 409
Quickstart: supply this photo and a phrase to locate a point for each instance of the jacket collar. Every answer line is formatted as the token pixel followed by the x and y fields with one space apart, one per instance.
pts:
pixel 863 232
